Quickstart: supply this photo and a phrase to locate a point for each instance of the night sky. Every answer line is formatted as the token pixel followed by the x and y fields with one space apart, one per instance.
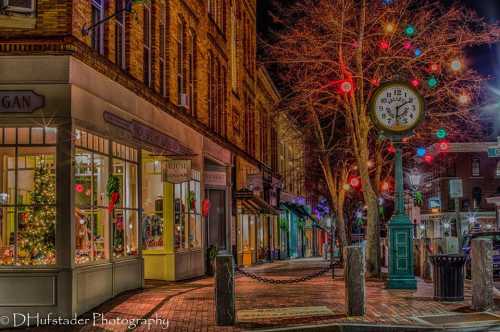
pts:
pixel 485 59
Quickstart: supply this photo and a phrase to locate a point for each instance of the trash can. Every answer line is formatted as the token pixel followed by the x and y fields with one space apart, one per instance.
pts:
pixel 448 277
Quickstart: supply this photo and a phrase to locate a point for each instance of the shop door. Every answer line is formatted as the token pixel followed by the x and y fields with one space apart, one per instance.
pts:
pixel 216 221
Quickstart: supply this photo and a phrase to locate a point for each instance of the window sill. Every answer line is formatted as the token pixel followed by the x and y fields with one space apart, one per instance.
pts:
pixel 17 22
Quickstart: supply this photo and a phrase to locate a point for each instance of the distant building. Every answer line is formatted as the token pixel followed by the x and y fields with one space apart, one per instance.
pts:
pixel 480 176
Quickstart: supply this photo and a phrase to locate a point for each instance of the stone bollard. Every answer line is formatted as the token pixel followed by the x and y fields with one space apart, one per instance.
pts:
pixel 482 274
pixel 225 312
pixel 354 273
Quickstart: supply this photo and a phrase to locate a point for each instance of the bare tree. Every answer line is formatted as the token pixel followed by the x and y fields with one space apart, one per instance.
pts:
pixel 332 55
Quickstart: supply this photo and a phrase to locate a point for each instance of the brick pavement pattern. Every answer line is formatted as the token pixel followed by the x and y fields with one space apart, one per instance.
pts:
pixel 189 306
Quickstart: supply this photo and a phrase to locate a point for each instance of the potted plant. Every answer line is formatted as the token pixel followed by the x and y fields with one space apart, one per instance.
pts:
pixel 211 254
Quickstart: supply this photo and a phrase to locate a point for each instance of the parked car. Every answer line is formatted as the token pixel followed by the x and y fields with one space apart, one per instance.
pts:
pixel 495 238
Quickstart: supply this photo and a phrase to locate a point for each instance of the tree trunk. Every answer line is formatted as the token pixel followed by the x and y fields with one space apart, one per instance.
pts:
pixel 372 236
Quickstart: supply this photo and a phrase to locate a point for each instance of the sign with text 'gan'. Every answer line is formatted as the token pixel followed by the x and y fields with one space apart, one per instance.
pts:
pixel 177 171
pixel 20 101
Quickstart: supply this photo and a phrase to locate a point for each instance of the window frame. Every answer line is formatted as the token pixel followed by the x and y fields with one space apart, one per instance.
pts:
pixel 476 167
pixel 15 207
pixel 120 31
pixel 147 44
pixel 97 34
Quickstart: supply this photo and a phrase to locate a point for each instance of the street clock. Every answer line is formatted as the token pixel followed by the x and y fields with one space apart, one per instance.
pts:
pixel 396 108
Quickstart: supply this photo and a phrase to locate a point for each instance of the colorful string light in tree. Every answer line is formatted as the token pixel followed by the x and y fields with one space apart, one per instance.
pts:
pixel 407 45
pixel 384 45
pixel 464 99
pixel 375 81
pixel 410 31
pixel 389 27
pixel 346 86
pixel 432 82
pixel 434 68
pixel 391 149
pixel 385 186
pixel 456 65
pixel 421 152
pixel 441 133
pixel 428 159
pixel 355 182
pixel 415 82
pixel 346 187
pixel 443 146
pixel 418 52
pixel 388 2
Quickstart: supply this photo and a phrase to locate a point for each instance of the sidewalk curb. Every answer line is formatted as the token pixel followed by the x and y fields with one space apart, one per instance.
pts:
pixel 350 328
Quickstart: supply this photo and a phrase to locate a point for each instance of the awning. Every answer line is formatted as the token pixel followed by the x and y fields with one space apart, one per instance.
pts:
pixel 252 204
pixel 299 210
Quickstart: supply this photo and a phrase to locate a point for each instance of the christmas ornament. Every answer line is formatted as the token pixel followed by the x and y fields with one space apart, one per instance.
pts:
pixel 407 45
pixel 464 99
pixel 410 30
pixel 415 82
pixel 441 133
pixel 205 207
pixel 432 82
pixel 421 152
pixel 79 188
pixel 456 65
pixel 384 45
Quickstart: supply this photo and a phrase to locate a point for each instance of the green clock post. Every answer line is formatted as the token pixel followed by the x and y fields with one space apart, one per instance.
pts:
pixel 401 274
pixel 397 109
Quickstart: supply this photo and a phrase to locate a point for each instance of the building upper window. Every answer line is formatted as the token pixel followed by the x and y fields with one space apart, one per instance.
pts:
pixel 234 45
pixel 249 126
pixel 147 45
pixel 97 34
pixel 181 89
pixel 217 90
pixel 217 12
pixel 163 50
pixel 497 171
pixel 28 196
pixel 192 63
pixel 476 167
pixel 477 197
pixel 120 34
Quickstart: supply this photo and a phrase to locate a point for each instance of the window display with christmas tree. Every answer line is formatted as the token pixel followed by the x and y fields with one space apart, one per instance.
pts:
pixel 36 225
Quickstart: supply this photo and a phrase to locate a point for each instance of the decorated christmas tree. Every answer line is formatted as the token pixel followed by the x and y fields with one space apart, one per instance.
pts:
pixel 37 227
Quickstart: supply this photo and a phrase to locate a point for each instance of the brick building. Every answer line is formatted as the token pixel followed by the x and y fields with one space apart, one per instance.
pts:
pixel 480 176
pixel 153 129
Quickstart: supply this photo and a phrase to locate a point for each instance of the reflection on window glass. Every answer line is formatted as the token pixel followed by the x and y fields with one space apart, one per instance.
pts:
pixel 91 215
pixel 152 204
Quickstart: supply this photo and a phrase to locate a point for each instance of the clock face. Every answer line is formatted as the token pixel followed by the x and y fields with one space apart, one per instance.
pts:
pixel 397 107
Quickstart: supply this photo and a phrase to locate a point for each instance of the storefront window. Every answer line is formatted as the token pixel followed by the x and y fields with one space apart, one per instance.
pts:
pixel 91 214
pixel 153 204
pixel 27 196
pixel 187 215
pixel 125 217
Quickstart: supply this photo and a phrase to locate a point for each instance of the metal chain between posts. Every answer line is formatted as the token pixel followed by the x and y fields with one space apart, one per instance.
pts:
pixel 284 281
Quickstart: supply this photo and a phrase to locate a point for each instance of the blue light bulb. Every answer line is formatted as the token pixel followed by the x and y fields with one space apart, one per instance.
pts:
pixel 421 152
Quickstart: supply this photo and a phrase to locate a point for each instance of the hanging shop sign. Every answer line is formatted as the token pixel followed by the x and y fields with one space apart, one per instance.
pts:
pixel 20 101
pixel 214 178
pixel 148 135
pixel 456 188
pixel 177 171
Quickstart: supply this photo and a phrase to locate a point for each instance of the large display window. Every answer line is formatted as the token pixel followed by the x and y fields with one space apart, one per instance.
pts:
pixel 153 205
pixel 126 213
pixel 27 196
pixel 187 213
pixel 97 165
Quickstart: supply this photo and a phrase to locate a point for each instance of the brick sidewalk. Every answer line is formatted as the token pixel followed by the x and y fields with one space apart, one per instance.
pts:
pixel 189 306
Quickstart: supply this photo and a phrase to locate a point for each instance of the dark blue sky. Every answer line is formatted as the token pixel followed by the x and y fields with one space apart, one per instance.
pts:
pixel 486 59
